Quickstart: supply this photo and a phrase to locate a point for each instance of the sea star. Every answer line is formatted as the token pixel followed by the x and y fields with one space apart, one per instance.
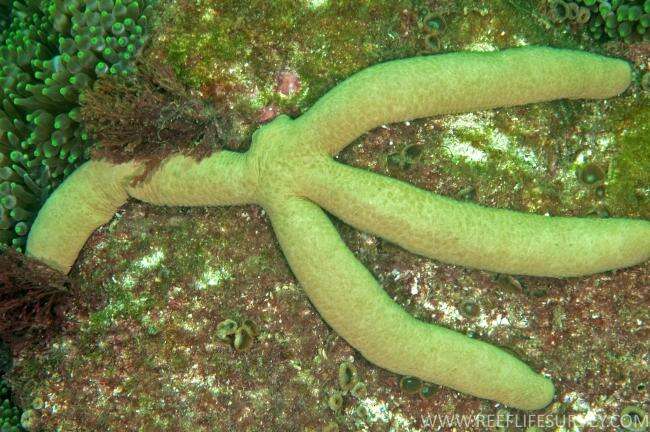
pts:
pixel 288 171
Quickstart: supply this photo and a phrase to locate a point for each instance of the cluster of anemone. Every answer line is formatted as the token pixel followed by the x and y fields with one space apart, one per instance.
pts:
pixel 606 19
pixel 9 413
pixel 100 36
pixel 240 337
pixel 349 382
pixel 50 52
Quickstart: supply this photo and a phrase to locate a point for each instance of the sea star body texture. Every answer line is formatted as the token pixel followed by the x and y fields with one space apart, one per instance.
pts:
pixel 289 171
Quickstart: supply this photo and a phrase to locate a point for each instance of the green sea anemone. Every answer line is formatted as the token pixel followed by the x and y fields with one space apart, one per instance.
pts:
pixel 226 328
pixel 428 390
pixel 5 8
pixel 10 414
pixel 410 385
pixel 243 338
pixel 335 401
pixel 605 20
pixel 50 53
pixel 470 309
pixel 347 376
pixel 634 419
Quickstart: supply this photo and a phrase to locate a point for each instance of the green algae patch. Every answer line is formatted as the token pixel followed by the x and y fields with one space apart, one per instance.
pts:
pixel 629 183
pixel 259 36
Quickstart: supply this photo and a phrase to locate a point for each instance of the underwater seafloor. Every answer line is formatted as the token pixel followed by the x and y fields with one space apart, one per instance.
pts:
pixel 139 348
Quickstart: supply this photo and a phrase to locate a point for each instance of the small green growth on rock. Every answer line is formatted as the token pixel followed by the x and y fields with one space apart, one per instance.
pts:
pixel 503 419
pixel 599 212
pixel 470 309
pixel 335 401
pixel 347 376
pixel 243 338
pixel 433 24
pixel 634 419
pixel 559 11
pixel 432 42
pixel 590 174
pixel 413 151
pixel 226 328
pixel 428 390
pixel 394 160
pixel 29 420
pixel 559 316
pixel 250 327
pixel 573 9
pixel 467 193
pixel 37 403
pixel 410 385
pixel 583 15
pixel 407 156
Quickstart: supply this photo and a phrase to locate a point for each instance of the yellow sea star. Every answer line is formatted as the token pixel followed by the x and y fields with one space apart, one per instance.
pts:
pixel 288 170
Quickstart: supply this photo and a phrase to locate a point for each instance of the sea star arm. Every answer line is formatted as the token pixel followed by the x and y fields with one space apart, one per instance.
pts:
pixel 474 236
pixel 456 82
pixel 220 179
pixel 86 200
pixel 92 194
pixel 358 309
